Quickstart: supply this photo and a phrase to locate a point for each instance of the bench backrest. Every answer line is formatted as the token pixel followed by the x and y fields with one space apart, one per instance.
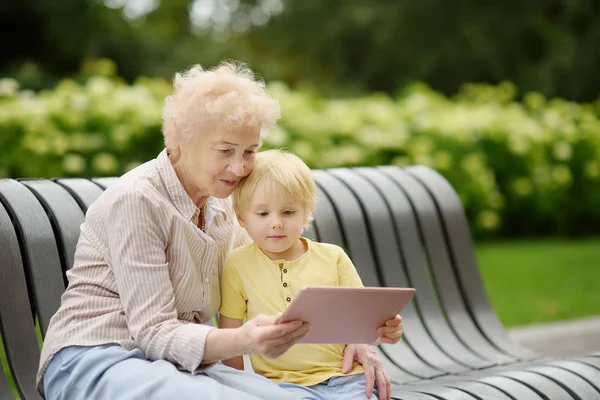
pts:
pixel 401 227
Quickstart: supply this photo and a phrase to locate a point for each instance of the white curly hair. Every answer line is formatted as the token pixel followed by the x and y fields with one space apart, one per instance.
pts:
pixel 229 97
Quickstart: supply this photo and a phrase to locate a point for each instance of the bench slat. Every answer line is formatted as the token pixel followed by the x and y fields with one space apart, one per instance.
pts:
pixel 327 229
pixel 391 263
pixel 5 392
pixel 41 257
pixel 448 291
pixel 426 301
pixel 461 245
pixel 358 245
pixel 84 191
pixel 16 325
pixel 104 182
pixel 65 216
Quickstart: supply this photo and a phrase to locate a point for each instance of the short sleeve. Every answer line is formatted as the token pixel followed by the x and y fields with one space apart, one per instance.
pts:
pixel 347 274
pixel 233 296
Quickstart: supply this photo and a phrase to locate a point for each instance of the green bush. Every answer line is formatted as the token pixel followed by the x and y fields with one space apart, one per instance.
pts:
pixel 520 167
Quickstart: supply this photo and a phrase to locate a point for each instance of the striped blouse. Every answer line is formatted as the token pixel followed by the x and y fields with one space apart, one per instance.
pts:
pixel 145 276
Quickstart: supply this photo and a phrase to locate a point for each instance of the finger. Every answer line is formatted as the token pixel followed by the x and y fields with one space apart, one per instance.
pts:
pixel 385 340
pixel 278 346
pixel 390 329
pixel 276 336
pixel 281 329
pixel 383 386
pixel 278 317
pixel 369 379
pixel 264 320
pixel 397 320
pixel 277 351
pixel 391 332
pixel 349 354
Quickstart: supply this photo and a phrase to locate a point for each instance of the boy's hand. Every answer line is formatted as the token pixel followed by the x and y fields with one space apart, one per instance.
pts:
pixel 391 331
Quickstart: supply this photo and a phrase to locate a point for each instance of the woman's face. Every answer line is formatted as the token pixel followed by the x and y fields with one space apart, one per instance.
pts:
pixel 213 164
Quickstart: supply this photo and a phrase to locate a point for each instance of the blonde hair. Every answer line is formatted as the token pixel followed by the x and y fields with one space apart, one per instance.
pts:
pixel 284 171
pixel 229 97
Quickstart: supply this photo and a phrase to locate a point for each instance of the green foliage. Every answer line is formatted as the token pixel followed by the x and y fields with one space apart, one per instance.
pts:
pixel 520 168
pixel 546 46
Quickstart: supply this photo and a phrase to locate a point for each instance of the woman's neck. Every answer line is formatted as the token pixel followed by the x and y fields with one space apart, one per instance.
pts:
pixel 198 196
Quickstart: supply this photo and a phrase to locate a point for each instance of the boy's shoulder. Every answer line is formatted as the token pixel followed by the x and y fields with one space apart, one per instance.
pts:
pixel 240 252
pixel 326 248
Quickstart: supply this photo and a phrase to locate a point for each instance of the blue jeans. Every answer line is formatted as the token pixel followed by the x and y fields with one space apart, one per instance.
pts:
pixel 110 372
pixel 346 387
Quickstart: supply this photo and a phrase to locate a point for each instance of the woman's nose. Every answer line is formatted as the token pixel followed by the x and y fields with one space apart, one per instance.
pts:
pixel 237 167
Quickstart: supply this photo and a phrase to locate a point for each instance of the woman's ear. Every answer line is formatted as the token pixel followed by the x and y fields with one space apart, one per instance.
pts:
pixel 241 220
pixel 174 154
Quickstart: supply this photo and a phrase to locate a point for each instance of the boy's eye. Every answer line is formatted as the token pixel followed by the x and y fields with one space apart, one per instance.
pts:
pixel 250 152
pixel 263 214
pixel 224 151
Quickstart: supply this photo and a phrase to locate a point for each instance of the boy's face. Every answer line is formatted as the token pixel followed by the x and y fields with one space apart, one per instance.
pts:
pixel 275 223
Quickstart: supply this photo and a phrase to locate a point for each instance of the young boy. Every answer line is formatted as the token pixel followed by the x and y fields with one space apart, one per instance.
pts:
pixel 274 204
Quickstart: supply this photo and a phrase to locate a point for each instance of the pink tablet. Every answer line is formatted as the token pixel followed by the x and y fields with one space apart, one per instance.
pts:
pixel 346 315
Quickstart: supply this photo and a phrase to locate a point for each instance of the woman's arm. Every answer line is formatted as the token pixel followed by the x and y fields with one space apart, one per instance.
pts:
pixel 136 242
pixel 263 334
pixel 236 362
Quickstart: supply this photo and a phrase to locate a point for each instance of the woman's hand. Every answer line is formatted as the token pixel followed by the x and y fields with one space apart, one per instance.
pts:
pixel 265 335
pixel 374 373
pixel 391 331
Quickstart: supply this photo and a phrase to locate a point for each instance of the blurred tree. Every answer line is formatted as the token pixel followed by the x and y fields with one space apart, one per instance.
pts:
pixel 344 47
pixel 549 46
pixel 59 35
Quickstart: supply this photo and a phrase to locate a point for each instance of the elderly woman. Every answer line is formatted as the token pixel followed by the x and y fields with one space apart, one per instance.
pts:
pixel 135 320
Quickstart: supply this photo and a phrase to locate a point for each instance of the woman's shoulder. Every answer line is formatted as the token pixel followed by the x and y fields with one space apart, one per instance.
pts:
pixel 138 187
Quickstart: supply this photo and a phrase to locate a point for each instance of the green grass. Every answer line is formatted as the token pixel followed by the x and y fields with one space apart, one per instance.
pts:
pixel 530 281
pixel 540 281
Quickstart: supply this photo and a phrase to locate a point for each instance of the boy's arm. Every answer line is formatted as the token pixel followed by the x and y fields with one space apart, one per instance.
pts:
pixel 236 362
pixel 347 274
pixel 233 304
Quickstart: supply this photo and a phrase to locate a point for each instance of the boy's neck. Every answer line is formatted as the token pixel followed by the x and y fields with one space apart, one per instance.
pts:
pixel 291 254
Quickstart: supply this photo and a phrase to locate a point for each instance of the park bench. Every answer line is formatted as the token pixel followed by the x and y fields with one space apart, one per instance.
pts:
pixel 400 226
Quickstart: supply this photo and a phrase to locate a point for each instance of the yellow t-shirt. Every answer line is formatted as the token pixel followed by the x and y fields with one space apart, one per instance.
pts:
pixel 254 284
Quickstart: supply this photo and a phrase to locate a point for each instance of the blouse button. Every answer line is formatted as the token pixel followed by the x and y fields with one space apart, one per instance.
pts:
pixel 285 271
pixel 284 284
pixel 288 299
pixel 206 280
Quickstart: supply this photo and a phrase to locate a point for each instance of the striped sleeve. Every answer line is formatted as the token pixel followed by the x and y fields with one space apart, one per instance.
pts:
pixel 137 246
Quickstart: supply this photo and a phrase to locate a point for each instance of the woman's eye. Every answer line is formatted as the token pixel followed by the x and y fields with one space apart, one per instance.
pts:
pixel 250 152
pixel 289 212
pixel 224 151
